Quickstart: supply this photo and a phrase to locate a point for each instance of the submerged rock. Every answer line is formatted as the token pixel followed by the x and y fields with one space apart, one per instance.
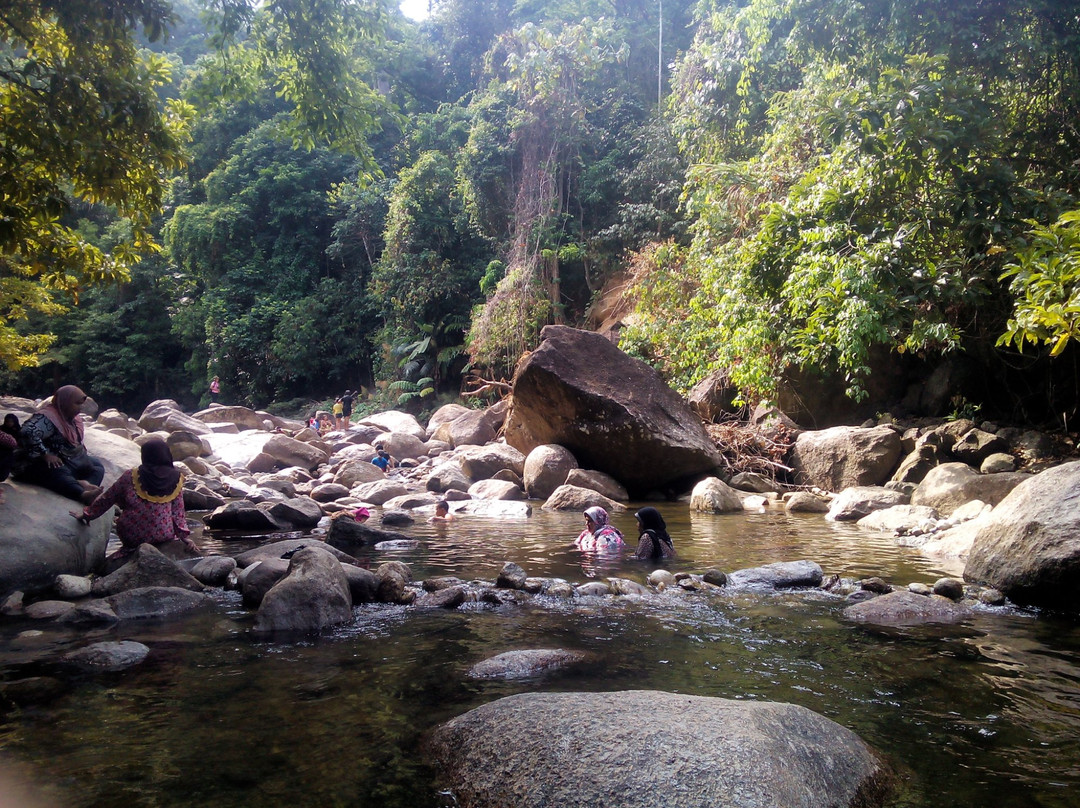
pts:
pixel 523 664
pixel 640 749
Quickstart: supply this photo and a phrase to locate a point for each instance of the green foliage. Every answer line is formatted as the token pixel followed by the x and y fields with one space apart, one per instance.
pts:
pixel 1045 282
pixel 79 121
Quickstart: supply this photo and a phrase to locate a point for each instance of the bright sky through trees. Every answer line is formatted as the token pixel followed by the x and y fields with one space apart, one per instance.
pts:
pixel 415 9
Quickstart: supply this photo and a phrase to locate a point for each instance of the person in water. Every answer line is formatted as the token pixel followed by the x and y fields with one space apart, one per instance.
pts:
pixel 151 502
pixel 654 542
pixel 55 457
pixel 599 533
pixel 442 512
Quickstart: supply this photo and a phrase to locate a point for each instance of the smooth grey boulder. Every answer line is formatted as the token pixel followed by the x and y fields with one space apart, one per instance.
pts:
pixel 496 489
pixel 147 566
pixel 380 491
pixel 108 656
pixel 1029 545
pixel 483 462
pixel 449 598
pixel 546 468
pixel 524 664
pixel 156 602
pixel 975 445
pixel 313 595
pixel 275 549
pixel 395 421
pixel 214 570
pixel 713 495
pixel 805 502
pixel 259 578
pixel 446 414
pixel 244 515
pixel 38 538
pixel 242 417
pixel 614 413
pixel 780 575
pixel 598 481
pixel 905 608
pixel 363 584
pixel 572 498
pixel 950 485
pixel 401 445
pixel 301 512
pixel 845 456
pixel 899 518
pixel 511 576
pixel 356 471
pixel 471 428
pixel 345 533
pixel 861 500
pixel 641 749
pixel 446 477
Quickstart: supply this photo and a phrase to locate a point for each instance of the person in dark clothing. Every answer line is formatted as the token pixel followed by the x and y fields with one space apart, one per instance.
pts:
pixel 55 456
pixel 654 543
pixel 346 407
pixel 9 443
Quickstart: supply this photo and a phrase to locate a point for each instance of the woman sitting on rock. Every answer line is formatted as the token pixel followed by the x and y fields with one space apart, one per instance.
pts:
pixel 599 534
pixel 55 457
pixel 654 543
pixel 151 502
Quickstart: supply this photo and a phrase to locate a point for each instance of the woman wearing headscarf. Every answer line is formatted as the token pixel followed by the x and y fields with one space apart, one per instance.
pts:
pixel 599 533
pixel 654 542
pixel 55 457
pixel 151 502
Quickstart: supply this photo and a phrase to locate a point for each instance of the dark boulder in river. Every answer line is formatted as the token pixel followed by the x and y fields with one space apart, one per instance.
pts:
pixel 614 413
pixel 646 748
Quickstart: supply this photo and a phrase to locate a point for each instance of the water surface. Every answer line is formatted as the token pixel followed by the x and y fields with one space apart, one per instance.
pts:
pixel 983 713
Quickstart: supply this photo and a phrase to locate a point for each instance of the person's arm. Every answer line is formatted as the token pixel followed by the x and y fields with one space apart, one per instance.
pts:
pixel 33 433
pixel 179 521
pixel 105 500
pixel 7 440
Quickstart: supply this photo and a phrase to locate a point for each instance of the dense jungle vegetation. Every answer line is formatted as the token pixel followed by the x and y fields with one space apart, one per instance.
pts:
pixel 301 196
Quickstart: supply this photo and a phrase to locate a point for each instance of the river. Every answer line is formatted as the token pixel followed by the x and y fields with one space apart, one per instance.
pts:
pixel 985 713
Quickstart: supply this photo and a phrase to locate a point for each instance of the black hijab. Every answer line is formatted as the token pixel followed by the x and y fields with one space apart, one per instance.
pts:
pixel 653 523
pixel 158 477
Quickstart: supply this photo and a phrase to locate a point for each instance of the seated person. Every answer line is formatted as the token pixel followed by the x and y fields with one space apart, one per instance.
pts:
pixel 599 534
pixel 654 543
pixel 55 457
pixel 9 443
pixel 383 460
pixel 151 502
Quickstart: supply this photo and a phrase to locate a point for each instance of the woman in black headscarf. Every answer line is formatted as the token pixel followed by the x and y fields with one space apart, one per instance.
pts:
pixel 654 543
pixel 151 502
pixel 55 456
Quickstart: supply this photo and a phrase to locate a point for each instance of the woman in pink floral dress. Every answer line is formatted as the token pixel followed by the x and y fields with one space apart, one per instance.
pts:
pixel 151 502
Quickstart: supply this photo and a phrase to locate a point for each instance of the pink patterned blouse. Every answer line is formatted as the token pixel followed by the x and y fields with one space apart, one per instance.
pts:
pixel 142 518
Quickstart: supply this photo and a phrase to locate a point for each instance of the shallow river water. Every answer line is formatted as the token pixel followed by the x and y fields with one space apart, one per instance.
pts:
pixel 986 713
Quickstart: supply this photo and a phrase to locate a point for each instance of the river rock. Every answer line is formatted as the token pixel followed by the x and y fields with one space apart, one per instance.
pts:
pixel 147 567
pixel 905 608
pixel 858 501
pixel 572 498
pixel 108 656
pixel 447 476
pixel 496 489
pixel 546 468
pixel 917 464
pixel 96 612
pixel 363 585
pixel 536 750
pixel 612 412
pixel 470 428
pixel 395 421
pixel 244 515
pixel 482 462
pixel 845 456
pixel 38 538
pixel 156 602
pixel 214 570
pixel 48 609
pixel 300 512
pixel 950 485
pixel 345 533
pixel 713 495
pixel 780 575
pixel 72 587
pixel 997 463
pixel 256 579
pixel 805 502
pixel 165 415
pixel 1029 545
pixel 754 483
pixel 241 417
pixel 598 481
pixel 511 576
pixel 276 549
pixel 898 518
pixel 448 598
pixel 495 509
pixel 444 415
pixel 313 595
pixel 975 445
pixel 524 664
pixel 359 471
pixel 380 491
pixel 401 445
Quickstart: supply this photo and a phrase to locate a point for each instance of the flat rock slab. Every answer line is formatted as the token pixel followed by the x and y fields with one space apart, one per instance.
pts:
pixel 108 656
pixel 525 663
pixel 904 608
pixel 781 575
pixel 641 749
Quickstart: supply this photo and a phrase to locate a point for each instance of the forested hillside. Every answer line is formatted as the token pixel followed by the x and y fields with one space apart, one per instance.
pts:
pixel 312 195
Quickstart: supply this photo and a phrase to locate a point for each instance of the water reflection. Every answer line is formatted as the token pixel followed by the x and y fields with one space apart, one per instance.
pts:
pixel 986 712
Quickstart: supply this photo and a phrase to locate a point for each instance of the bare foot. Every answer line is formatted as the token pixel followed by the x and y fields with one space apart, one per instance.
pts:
pixel 90 494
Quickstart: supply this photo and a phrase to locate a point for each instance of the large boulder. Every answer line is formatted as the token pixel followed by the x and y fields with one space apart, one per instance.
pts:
pixel 447 476
pixel 445 415
pixel 395 421
pixel 950 485
pixel 484 462
pixel 313 595
pixel 148 567
pixel 546 468
pixel 613 413
pixel 243 448
pixel 599 482
pixel 845 456
pixel 1029 545
pixel 401 445
pixel 713 495
pixel 904 608
pixel 38 538
pixel 639 749
pixel 471 428
pixel 242 417
pixel 860 500
pixel 572 498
